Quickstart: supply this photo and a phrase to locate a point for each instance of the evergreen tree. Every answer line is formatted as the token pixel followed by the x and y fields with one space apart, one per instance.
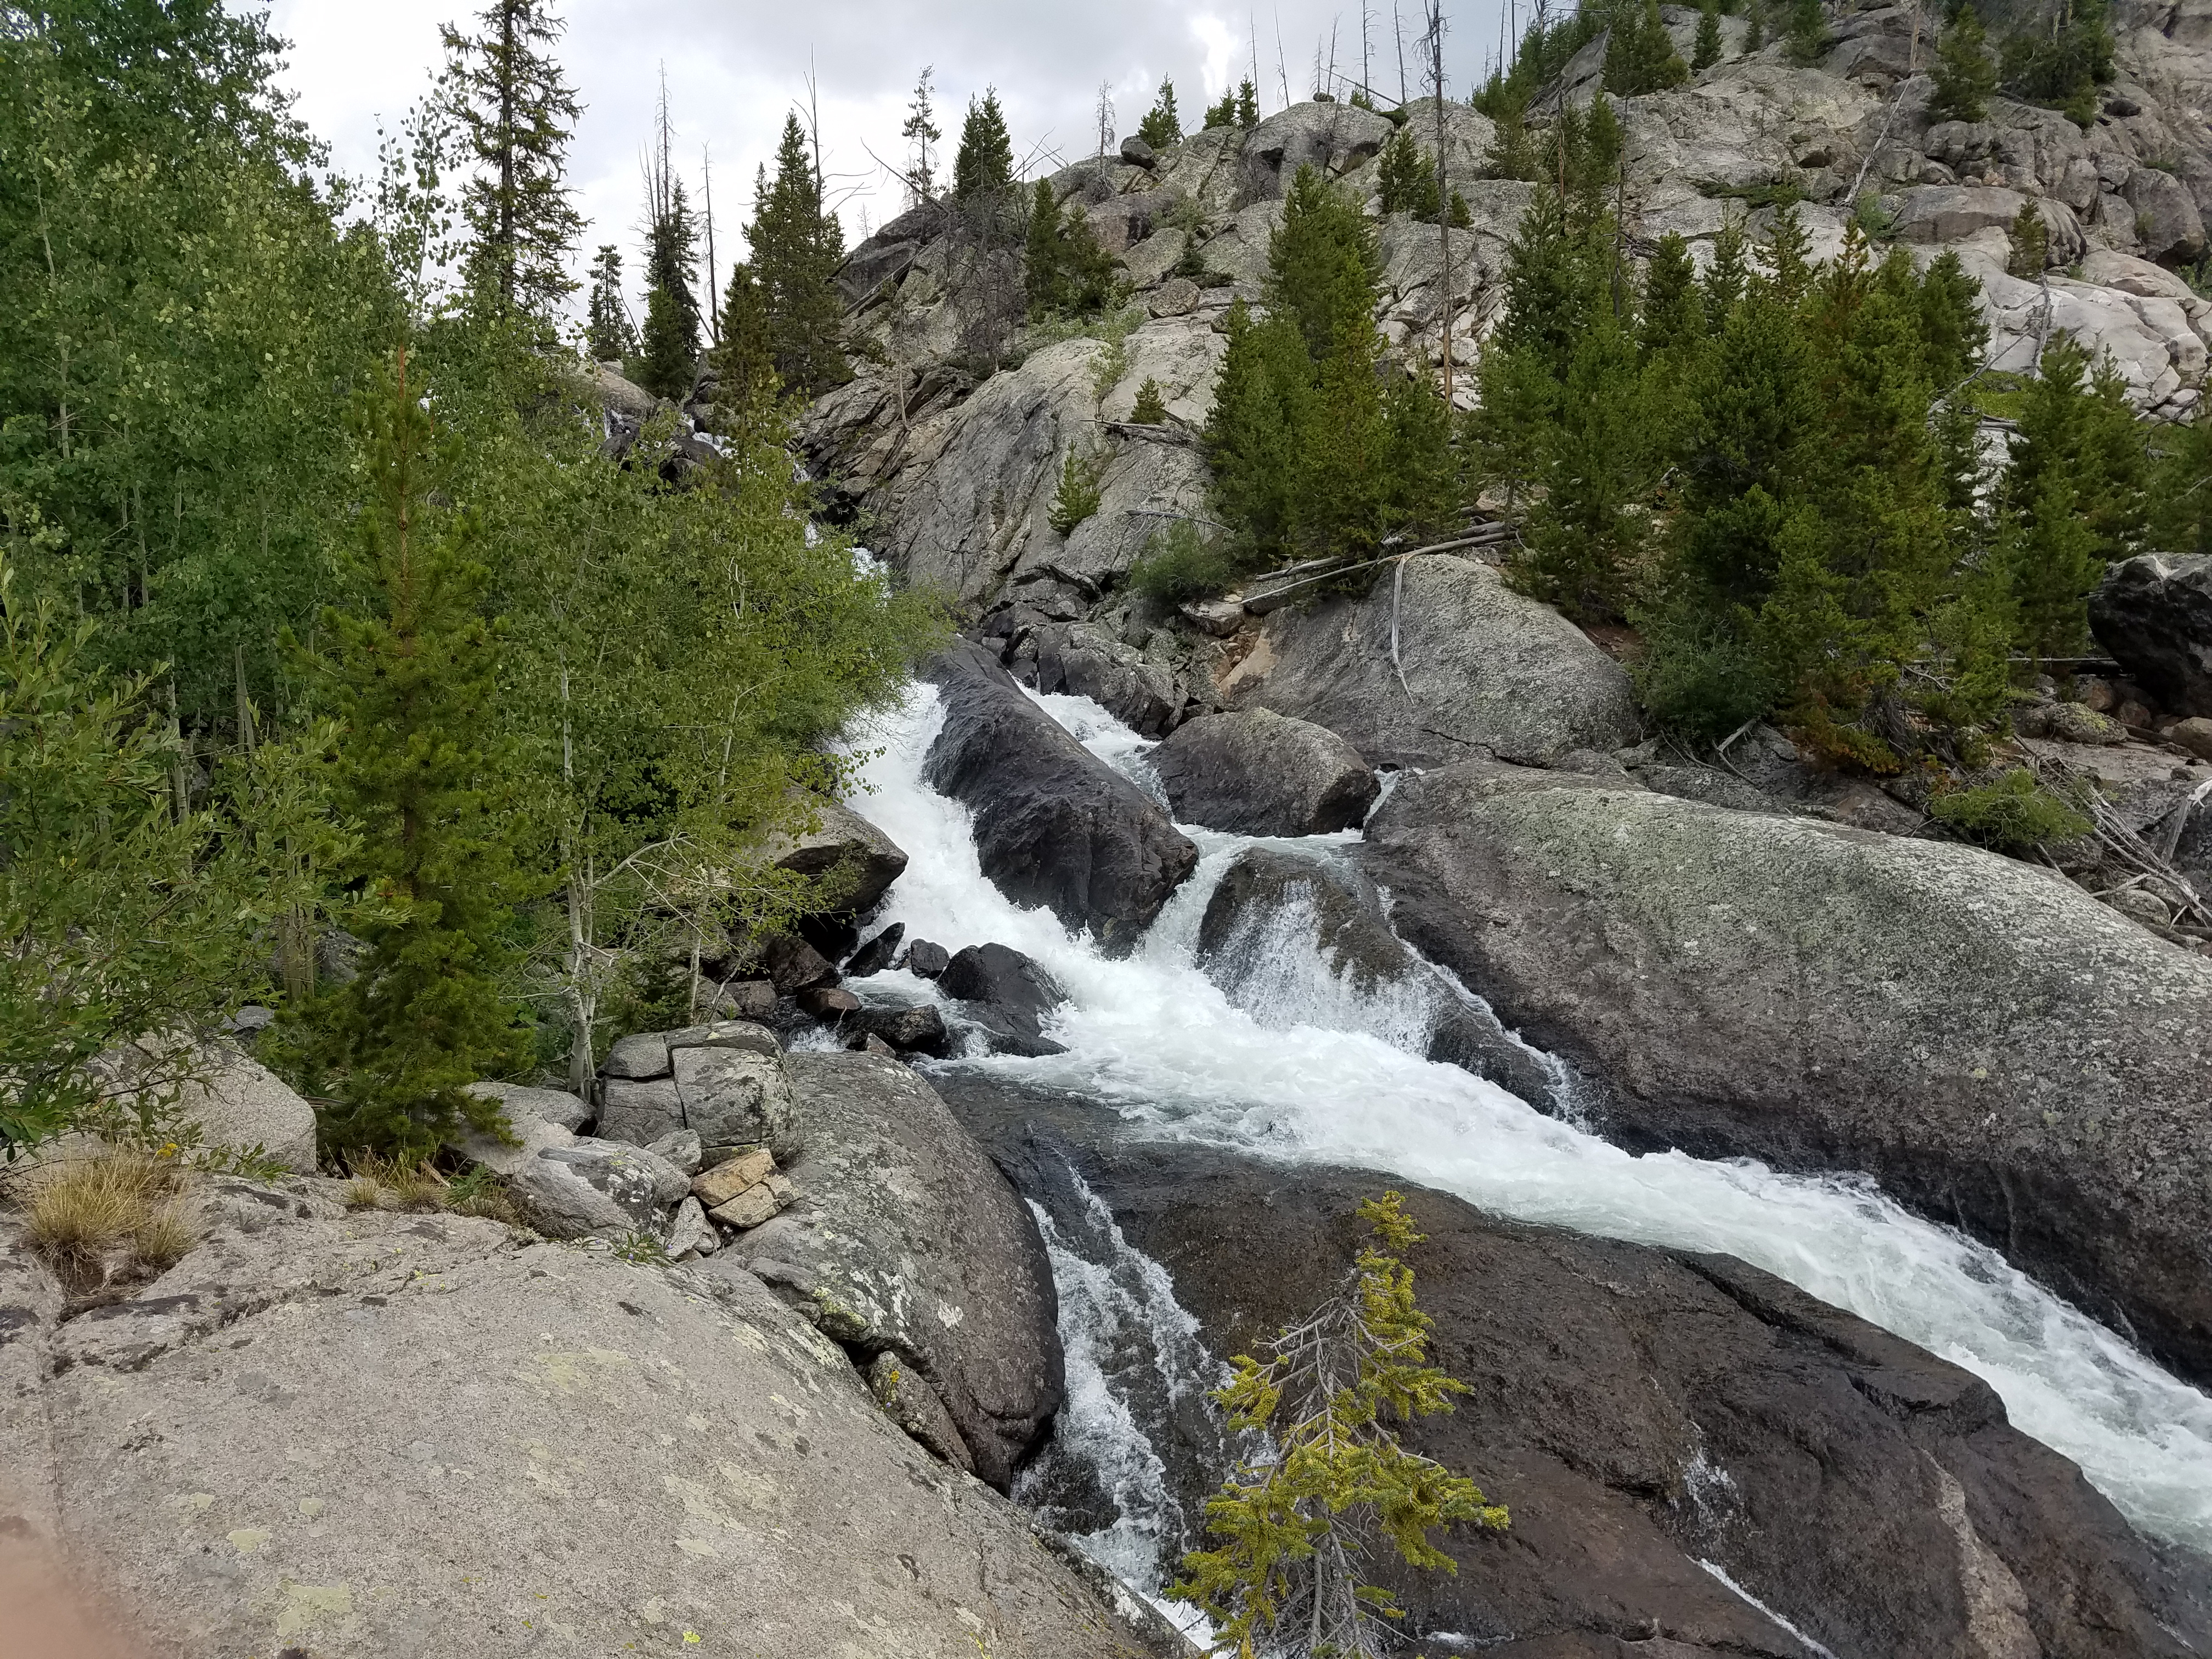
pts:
pixel 1640 55
pixel 1582 547
pixel 608 333
pixel 1673 315
pixel 1953 334
pixel 746 383
pixel 1162 126
pixel 2061 67
pixel 2076 429
pixel 1707 51
pixel 1064 268
pixel 2182 491
pixel 1754 38
pixel 1725 278
pixel 797 245
pixel 1407 179
pixel 1787 257
pixel 1297 1525
pixel 1247 103
pixel 1808 33
pixel 921 132
pixel 2029 237
pixel 2051 559
pixel 670 343
pixel 516 111
pixel 1965 74
pixel 1223 114
pixel 983 167
pixel 420 768
pixel 1254 430
pixel 1323 265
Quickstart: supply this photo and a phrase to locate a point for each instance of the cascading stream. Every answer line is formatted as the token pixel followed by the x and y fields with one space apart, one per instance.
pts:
pixel 1309 1069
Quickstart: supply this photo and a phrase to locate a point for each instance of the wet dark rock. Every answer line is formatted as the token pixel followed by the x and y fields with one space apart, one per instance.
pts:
pixel 927 960
pixel 1054 824
pixel 1264 773
pixel 878 954
pixel 1640 1411
pixel 827 1001
pixel 916 1029
pixel 1992 1044
pixel 794 965
pixel 1007 995
pixel 2154 613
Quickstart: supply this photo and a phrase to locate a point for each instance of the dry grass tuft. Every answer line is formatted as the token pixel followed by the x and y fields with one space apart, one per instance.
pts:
pixel 81 1214
pixel 381 1184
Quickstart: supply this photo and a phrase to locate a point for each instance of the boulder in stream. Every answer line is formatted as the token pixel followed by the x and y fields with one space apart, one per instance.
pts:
pixel 1054 824
pixel 1485 672
pixel 1260 773
pixel 1998 1048
pixel 2154 613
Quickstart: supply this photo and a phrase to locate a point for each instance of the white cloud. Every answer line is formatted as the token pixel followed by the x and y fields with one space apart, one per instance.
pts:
pixel 1222 49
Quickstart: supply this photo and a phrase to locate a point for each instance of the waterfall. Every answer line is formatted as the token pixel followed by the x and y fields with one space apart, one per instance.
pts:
pixel 1305 1070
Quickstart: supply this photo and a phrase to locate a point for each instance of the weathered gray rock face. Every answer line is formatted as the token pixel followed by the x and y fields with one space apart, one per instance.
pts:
pixel 855 861
pixel 362 1435
pixel 1261 774
pixel 1275 912
pixel 239 1103
pixel 1994 1045
pixel 1333 138
pixel 725 1081
pixel 1486 671
pixel 1053 825
pixel 1087 661
pixel 1639 1413
pixel 2154 613
pixel 573 1186
pixel 550 1105
pixel 905 1238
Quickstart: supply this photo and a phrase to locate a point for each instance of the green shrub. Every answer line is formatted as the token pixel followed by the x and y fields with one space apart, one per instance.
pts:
pixel 1178 563
pixel 1151 408
pixel 2011 813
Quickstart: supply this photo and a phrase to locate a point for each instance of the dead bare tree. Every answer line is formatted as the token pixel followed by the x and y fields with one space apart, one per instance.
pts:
pixel 1432 48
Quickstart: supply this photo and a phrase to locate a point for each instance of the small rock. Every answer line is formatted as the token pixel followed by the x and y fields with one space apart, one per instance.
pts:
pixel 1137 153
pixel 691 1234
pixel 2141 905
pixel 744 998
pixel 760 1202
pixel 1219 617
pixel 2194 734
pixel 869 1043
pixel 918 1029
pixel 251 1021
pixel 1176 297
pixel 2134 713
pixel 878 954
pixel 1007 994
pixel 829 1001
pixel 682 1148
pixel 927 960
pixel 2070 722
pixel 2095 695
pixel 640 1057
pixel 910 1401
pixel 719 1185
pixel 638 1113
pixel 725 1034
pixel 793 965
pixel 546 1105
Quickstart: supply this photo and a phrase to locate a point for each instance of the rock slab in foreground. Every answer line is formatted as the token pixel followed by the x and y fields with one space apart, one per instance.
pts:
pixel 1639 1413
pixel 1054 824
pixel 365 1436
pixel 2001 1050
pixel 1486 671
pixel 905 1238
pixel 1262 774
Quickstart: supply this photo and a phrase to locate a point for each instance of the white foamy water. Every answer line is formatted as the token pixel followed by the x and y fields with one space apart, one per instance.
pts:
pixel 1309 1072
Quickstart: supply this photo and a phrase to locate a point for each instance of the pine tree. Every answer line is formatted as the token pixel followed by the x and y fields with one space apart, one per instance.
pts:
pixel 516 113
pixel 1673 317
pixel 1151 408
pixel 1965 74
pixel 1297 1525
pixel 1248 104
pixel 1707 51
pixel 921 132
pixel 984 166
pixel 1223 114
pixel 670 343
pixel 796 247
pixel 2029 239
pixel 1640 55
pixel 1162 126
pixel 1407 179
pixel 1253 431
pixel 2076 428
pixel 2182 495
pixel 1952 332
pixel 1808 34
pixel 1581 548
pixel 1064 269
pixel 420 768
pixel 746 384
pixel 1725 278
pixel 609 336
pixel 2052 558
pixel 1787 257
pixel 1323 265
pixel 1754 39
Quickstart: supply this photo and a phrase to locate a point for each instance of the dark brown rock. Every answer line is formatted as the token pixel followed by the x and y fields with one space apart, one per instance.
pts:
pixel 1263 774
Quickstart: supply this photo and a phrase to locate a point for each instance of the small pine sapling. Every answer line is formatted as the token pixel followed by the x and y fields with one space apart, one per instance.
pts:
pixel 1151 408
pixel 1077 498
pixel 1300 1523
pixel 1707 50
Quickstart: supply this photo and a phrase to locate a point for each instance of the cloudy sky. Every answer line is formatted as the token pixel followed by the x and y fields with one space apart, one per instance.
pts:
pixel 735 67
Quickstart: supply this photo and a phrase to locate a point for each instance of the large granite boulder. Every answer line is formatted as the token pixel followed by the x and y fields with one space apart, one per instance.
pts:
pixel 1275 915
pixel 1485 672
pixel 366 1435
pixel 1646 1418
pixel 573 1186
pixel 1996 1047
pixel 904 1237
pixel 1053 825
pixel 1334 138
pixel 238 1105
pixel 1259 773
pixel 2154 613
pixel 854 862
pixel 1084 660
pixel 724 1080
